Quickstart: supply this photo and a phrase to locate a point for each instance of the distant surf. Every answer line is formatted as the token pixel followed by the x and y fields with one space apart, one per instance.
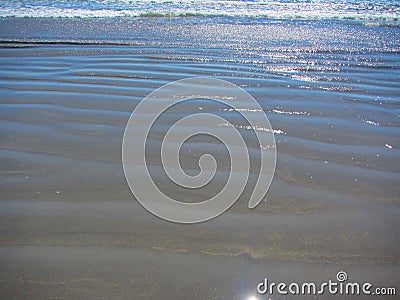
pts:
pixel 376 12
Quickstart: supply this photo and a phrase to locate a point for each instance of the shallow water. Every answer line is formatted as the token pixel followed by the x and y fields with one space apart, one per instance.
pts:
pixel 67 88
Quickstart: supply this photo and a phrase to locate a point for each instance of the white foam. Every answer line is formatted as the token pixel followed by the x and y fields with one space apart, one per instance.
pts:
pixel 377 10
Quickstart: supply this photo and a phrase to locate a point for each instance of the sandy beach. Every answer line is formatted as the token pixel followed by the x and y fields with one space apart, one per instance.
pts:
pixel 69 225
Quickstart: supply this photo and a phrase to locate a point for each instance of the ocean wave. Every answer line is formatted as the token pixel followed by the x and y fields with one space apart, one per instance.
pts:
pixel 371 13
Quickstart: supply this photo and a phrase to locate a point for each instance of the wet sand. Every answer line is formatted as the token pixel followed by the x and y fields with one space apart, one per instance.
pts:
pixel 71 228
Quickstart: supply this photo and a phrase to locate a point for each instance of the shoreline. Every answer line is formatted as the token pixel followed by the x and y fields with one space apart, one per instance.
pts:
pixel 70 225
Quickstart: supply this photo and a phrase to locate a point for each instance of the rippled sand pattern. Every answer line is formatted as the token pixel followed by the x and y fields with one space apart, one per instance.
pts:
pixel 69 225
